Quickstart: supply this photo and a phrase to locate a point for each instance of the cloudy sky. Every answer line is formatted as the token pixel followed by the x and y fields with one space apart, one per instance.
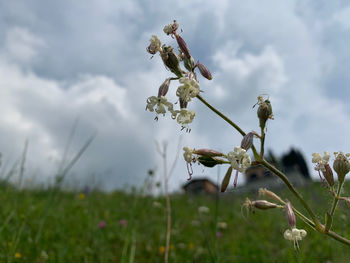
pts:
pixel 63 62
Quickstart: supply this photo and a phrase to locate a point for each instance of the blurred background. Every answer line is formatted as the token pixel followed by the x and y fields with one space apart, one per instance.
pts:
pixel 81 68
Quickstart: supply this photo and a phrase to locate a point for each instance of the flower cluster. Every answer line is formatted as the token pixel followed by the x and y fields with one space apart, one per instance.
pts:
pixel 295 235
pixel 320 161
pixel 189 86
pixel 239 159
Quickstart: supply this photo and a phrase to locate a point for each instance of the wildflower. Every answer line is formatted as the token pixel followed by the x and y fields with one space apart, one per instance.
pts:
pixel 240 161
pixel 123 222
pixel 222 225
pixel 185 117
pixel 171 60
pixel 160 103
pixel 183 46
pixel 161 249
pixel 203 210
pixel 259 204
pixel 18 255
pixel 295 235
pixel 320 161
pixel 341 165
pixel 190 245
pixel 102 224
pixel 219 234
pixel 81 196
pixel 188 154
pixel 171 28
pixel 188 90
pixel 290 214
pixel 154 46
pixel 157 204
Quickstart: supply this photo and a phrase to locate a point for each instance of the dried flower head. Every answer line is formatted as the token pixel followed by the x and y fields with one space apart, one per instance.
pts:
pixel 264 111
pixel 171 28
pixel 320 161
pixel 155 45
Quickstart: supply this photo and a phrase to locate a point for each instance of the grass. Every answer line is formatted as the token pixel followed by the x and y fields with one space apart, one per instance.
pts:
pixel 71 233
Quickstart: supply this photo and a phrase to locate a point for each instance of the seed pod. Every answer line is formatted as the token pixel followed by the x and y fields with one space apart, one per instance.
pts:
pixel 290 215
pixel 209 161
pixel 263 204
pixel 183 46
pixel 328 174
pixel 247 141
pixel 264 112
pixel 163 89
pixel 341 166
pixel 208 152
pixel 171 60
pixel 204 71
pixel 226 179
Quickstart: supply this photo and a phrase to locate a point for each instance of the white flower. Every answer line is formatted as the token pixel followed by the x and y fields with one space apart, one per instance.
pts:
pixel 203 209
pixel 161 102
pixel 188 154
pixel 185 116
pixel 320 161
pixel 222 225
pixel 169 29
pixel 239 159
pixel 188 90
pixel 295 235
pixel 154 46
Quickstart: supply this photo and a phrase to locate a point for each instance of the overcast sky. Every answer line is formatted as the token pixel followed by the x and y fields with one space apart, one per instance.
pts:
pixel 86 61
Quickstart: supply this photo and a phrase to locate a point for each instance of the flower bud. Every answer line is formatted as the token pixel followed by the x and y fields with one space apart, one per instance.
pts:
pixel 209 161
pixel 171 60
pixel 247 141
pixel 226 179
pixel 290 215
pixel 163 89
pixel 341 166
pixel 328 174
pixel 272 195
pixel 208 152
pixel 204 71
pixel 264 112
pixel 183 46
pixel 263 204
pixel 189 63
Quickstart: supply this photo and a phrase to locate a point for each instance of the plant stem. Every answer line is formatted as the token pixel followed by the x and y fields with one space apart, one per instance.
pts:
pixel 234 125
pixel 336 198
pixel 262 142
pixel 284 178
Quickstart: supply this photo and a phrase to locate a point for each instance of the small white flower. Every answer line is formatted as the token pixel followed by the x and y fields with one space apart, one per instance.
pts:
pixel 295 235
pixel 203 209
pixel 222 225
pixel 320 161
pixel 155 45
pixel 185 116
pixel 169 29
pixel 239 159
pixel 160 103
pixel 188 90
pixel 188 154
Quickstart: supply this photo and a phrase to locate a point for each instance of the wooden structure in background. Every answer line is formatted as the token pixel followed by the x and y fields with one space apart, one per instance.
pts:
pixel 200 186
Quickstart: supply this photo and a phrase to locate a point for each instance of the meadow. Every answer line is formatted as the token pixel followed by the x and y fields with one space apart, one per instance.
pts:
pixel 64 226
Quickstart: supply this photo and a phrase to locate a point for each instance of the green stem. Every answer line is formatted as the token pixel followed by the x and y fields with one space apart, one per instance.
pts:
pixel 336 198
pixel 262 142
pixel 284 178
pixel 234 125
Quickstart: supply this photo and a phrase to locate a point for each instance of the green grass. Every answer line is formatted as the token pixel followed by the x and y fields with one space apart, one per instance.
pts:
pixel 70 232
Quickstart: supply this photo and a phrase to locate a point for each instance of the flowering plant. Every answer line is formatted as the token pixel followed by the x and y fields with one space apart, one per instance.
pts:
pixel 239 159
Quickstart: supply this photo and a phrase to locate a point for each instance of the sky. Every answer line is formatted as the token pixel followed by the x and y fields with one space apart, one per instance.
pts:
pixel 84 64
